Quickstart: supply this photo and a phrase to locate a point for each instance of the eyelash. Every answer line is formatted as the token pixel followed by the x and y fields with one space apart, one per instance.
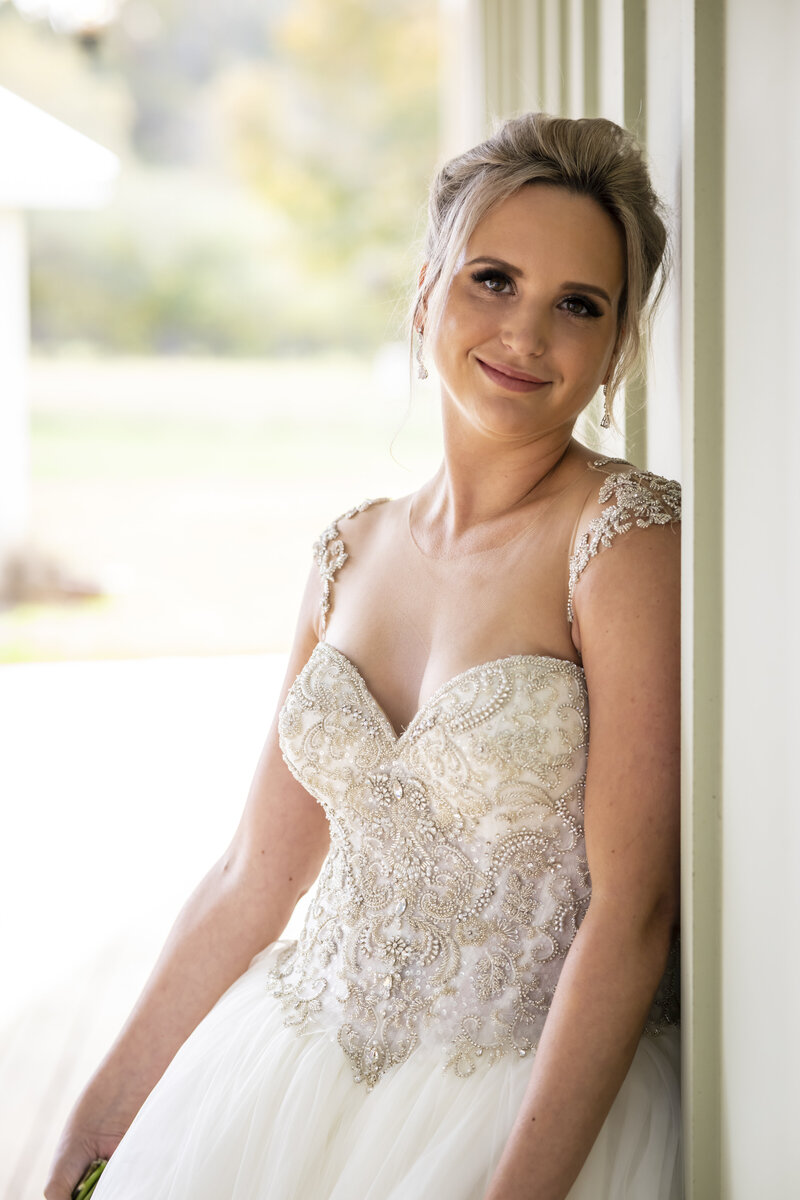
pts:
pixel 488 274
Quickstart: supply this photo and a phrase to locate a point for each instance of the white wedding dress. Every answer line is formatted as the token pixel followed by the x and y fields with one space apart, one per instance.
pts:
pixel 384 1054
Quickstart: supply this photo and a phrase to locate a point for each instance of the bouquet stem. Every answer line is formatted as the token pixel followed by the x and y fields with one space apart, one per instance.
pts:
pixel 86 1185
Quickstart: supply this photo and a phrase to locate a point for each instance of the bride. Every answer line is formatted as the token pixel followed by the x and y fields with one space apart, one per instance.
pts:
pixel 474 764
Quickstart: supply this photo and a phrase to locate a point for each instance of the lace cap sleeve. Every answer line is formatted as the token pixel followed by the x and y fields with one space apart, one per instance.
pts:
pixel 330 555
pixel 631 497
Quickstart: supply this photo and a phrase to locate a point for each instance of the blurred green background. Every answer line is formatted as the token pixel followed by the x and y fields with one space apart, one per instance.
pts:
pixel 218 359
pixel 180 497
pixel 218 369
pixel 275 160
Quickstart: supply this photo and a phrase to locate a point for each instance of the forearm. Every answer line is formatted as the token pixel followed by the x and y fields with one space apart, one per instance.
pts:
pixel 589 1040
pixel 224 923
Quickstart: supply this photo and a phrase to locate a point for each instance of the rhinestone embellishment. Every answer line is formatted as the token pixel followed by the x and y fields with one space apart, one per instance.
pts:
pixel 457 877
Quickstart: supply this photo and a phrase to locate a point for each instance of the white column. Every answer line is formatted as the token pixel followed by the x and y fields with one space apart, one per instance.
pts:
pixel 761 814
pixel 464 85
pixel 552 83
pixel 576 23
pixel 531 21
pixel 14 449
pixel 611 60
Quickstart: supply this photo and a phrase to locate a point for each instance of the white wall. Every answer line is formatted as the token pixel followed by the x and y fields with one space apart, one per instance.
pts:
pixel 761 815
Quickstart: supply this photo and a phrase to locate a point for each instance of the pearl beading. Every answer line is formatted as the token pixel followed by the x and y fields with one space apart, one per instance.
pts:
pixel 457 877
pixel 330 556
pixel 642 498
pixel 456 880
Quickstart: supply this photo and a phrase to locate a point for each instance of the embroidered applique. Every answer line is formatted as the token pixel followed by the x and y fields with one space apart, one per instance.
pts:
pixel 457 875
pixel 330 555
pixel 641 498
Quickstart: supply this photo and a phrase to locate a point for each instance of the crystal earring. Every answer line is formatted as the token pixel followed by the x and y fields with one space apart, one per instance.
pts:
pixel 605 420
pixel 422 370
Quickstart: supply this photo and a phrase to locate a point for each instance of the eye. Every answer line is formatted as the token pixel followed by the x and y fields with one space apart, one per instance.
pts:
pixel 581 306
pixel 494 280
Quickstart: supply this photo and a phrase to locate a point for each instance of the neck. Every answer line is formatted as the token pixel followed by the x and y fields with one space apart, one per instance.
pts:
pixel 483 479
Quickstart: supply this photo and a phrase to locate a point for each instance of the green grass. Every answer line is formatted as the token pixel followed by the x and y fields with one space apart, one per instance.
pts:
pixel 188 493
pixel 101 446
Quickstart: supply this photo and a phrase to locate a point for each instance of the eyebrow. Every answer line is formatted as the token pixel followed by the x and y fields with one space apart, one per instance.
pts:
pixel 496 262
pixel 516 273
pixel 589 287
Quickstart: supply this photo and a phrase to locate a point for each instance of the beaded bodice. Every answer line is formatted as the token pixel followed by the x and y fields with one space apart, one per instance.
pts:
pixel 457 876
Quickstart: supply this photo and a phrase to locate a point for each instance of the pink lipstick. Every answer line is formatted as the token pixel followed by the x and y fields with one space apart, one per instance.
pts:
pixel 511 380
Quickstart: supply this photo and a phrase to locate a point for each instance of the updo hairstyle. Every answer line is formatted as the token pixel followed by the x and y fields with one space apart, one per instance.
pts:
pixel 590 157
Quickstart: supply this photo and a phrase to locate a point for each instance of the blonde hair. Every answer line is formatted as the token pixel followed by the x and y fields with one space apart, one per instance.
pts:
pixel 590 156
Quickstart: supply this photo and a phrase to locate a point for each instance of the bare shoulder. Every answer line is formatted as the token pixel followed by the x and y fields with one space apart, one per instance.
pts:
pixel 627 628
pixel 349 533
pixel 634 489
pixel 638 513
pixel 356 526
pixel 622 498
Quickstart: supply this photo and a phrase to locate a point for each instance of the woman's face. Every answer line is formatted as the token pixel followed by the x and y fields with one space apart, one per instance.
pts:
pixel 530 323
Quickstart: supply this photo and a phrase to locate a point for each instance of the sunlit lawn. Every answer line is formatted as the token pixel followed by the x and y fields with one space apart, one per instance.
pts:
pixel 188 492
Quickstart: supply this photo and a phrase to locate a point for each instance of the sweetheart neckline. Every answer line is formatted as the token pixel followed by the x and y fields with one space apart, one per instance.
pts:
pixel 397 738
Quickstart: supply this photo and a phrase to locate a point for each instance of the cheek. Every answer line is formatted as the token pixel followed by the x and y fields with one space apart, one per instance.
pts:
pixel 582 358
pixel 588 349
pixel 461 313
pixel 462 326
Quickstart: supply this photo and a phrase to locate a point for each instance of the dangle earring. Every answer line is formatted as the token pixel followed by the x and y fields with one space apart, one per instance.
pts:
pixel 422 370
pixel 605 420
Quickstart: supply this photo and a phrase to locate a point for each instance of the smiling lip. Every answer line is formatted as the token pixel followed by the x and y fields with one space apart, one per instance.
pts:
pixel 513 381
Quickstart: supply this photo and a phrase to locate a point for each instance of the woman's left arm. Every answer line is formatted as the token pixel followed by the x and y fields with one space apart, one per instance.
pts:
pixel 627 611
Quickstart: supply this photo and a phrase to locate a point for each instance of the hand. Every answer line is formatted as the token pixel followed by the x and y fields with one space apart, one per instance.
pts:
pixel 90 1132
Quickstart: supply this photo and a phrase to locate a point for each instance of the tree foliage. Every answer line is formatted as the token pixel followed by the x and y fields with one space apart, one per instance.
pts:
pixel 337 131
pixel 320 114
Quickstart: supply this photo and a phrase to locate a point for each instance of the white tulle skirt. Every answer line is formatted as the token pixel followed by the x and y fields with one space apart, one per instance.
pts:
pixel 251 1110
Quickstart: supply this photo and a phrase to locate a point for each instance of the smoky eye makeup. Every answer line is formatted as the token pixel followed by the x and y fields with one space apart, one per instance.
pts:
pixel 590 308
pixel 497 281
pixel 489 275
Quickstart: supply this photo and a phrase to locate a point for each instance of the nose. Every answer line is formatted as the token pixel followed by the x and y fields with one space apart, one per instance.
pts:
pixel 526 330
